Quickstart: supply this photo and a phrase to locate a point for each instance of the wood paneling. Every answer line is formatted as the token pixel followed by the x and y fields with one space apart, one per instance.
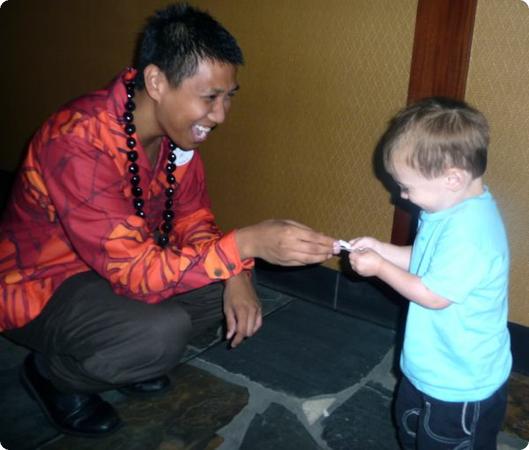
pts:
pixel 439 66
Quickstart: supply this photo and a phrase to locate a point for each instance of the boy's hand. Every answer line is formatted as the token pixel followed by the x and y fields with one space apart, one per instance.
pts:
pixel 365 242
pixel 365 262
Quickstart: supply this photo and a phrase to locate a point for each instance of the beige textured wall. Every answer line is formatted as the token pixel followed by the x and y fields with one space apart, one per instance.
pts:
pixel 55 50
pixel 321 80
pixel 498 85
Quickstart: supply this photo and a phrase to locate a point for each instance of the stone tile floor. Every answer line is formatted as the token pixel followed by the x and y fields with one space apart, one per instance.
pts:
pixel 311 379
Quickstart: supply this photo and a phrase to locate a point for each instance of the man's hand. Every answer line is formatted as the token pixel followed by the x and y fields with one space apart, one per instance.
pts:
pixel 242 309
pixel 284 242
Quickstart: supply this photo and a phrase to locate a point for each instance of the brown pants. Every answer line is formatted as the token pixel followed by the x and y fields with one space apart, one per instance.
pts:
pixel 93 340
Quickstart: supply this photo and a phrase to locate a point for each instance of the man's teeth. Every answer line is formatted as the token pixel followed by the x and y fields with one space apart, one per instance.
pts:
pixel 202 131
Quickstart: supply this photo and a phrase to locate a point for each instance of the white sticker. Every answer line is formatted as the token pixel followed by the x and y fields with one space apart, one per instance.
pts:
pixel 344 245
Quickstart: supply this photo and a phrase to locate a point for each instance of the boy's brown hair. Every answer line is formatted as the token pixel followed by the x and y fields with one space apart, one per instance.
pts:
pixel 436 134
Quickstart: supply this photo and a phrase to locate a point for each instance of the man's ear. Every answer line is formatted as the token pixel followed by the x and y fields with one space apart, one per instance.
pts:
pixel 455 178
pixel 155 82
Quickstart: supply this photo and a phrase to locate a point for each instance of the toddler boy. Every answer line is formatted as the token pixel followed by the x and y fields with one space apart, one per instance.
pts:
pixel 456 356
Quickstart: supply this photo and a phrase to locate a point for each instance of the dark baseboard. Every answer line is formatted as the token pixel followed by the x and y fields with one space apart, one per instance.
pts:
pixel 367 299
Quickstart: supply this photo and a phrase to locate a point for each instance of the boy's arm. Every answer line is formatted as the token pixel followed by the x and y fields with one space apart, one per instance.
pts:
pixel 400 256
pixel 369 263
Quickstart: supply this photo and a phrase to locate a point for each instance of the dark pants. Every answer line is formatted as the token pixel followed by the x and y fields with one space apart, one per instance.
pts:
pixel 93 340
pixel 425 423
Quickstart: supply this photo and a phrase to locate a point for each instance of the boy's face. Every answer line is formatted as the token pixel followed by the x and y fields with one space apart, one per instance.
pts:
pixel 187 113
pixel 429 194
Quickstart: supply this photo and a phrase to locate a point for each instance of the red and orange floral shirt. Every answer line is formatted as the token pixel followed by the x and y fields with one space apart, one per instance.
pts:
pixel 71 211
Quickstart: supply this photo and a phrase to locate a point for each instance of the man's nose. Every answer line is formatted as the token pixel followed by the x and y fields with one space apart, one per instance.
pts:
pixel 218 112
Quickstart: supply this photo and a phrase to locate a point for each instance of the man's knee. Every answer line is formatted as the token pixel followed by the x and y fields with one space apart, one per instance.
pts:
pixel 163 339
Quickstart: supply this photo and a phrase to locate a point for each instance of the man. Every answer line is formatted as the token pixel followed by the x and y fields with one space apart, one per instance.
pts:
pixel 111 259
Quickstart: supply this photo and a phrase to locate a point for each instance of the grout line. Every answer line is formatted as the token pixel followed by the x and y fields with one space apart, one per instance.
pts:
pixel 336 287
pixel 260 398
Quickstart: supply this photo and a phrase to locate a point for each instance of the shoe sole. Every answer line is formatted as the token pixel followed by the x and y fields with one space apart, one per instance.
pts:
pixel 28 386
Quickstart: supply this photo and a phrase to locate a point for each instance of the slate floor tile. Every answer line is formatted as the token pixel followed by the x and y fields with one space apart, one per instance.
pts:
pixel 305 350
pixel 370 300
pixel 279 429
pixel 270 301
pixel 363 422
pixel 314 283
pixel 517 418
pixel 22 425
pixel 187 417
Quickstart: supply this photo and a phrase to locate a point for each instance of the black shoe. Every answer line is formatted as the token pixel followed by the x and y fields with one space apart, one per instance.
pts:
pixel 147 387
pixel 84 415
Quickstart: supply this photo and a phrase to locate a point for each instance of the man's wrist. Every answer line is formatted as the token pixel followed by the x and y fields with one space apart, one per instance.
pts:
pixel 244 240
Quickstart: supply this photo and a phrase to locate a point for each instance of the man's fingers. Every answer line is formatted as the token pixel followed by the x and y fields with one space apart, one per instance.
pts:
pixel 231 324
pixel 246 324
pixel 258 323
pixel 236 340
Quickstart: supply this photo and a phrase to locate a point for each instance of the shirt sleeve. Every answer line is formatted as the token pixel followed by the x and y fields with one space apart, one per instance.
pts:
pixel 458 265
pixel 86 189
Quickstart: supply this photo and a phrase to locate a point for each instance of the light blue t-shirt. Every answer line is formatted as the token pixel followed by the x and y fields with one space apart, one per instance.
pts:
pixel 462 352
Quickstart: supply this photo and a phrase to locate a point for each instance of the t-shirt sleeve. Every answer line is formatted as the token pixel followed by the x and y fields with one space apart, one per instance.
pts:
pixel 458 265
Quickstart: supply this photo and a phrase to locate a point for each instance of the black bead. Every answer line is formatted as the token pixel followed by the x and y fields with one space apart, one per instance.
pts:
pixel 166 227
pixel 169 192
pixel 172 145
pixel 130 105
pixel 135 180
pixel 140 213
pixel 138 203
pixel 168 204
pixel 130 128
pixel 132 156
pixel 171 179
pixel 131 143
pixel 163 240
pixel 130 94
pixel 130 83
pixel 168 214
pixel 170 167
pixel 171 157
pixel 134 168
pixel 137 191
pixel 128 116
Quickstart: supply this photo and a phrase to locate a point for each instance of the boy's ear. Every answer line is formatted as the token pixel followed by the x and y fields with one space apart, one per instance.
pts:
pixel 155 81
pixel 455 179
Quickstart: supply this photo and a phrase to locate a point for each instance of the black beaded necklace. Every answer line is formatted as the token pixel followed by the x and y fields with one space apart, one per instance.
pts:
pixel 132 156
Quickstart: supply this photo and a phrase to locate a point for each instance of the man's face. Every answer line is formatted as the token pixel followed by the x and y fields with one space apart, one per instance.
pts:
pixel 200 102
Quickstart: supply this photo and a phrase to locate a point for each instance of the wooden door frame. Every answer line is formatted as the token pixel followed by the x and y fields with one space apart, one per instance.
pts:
pixel 439 67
